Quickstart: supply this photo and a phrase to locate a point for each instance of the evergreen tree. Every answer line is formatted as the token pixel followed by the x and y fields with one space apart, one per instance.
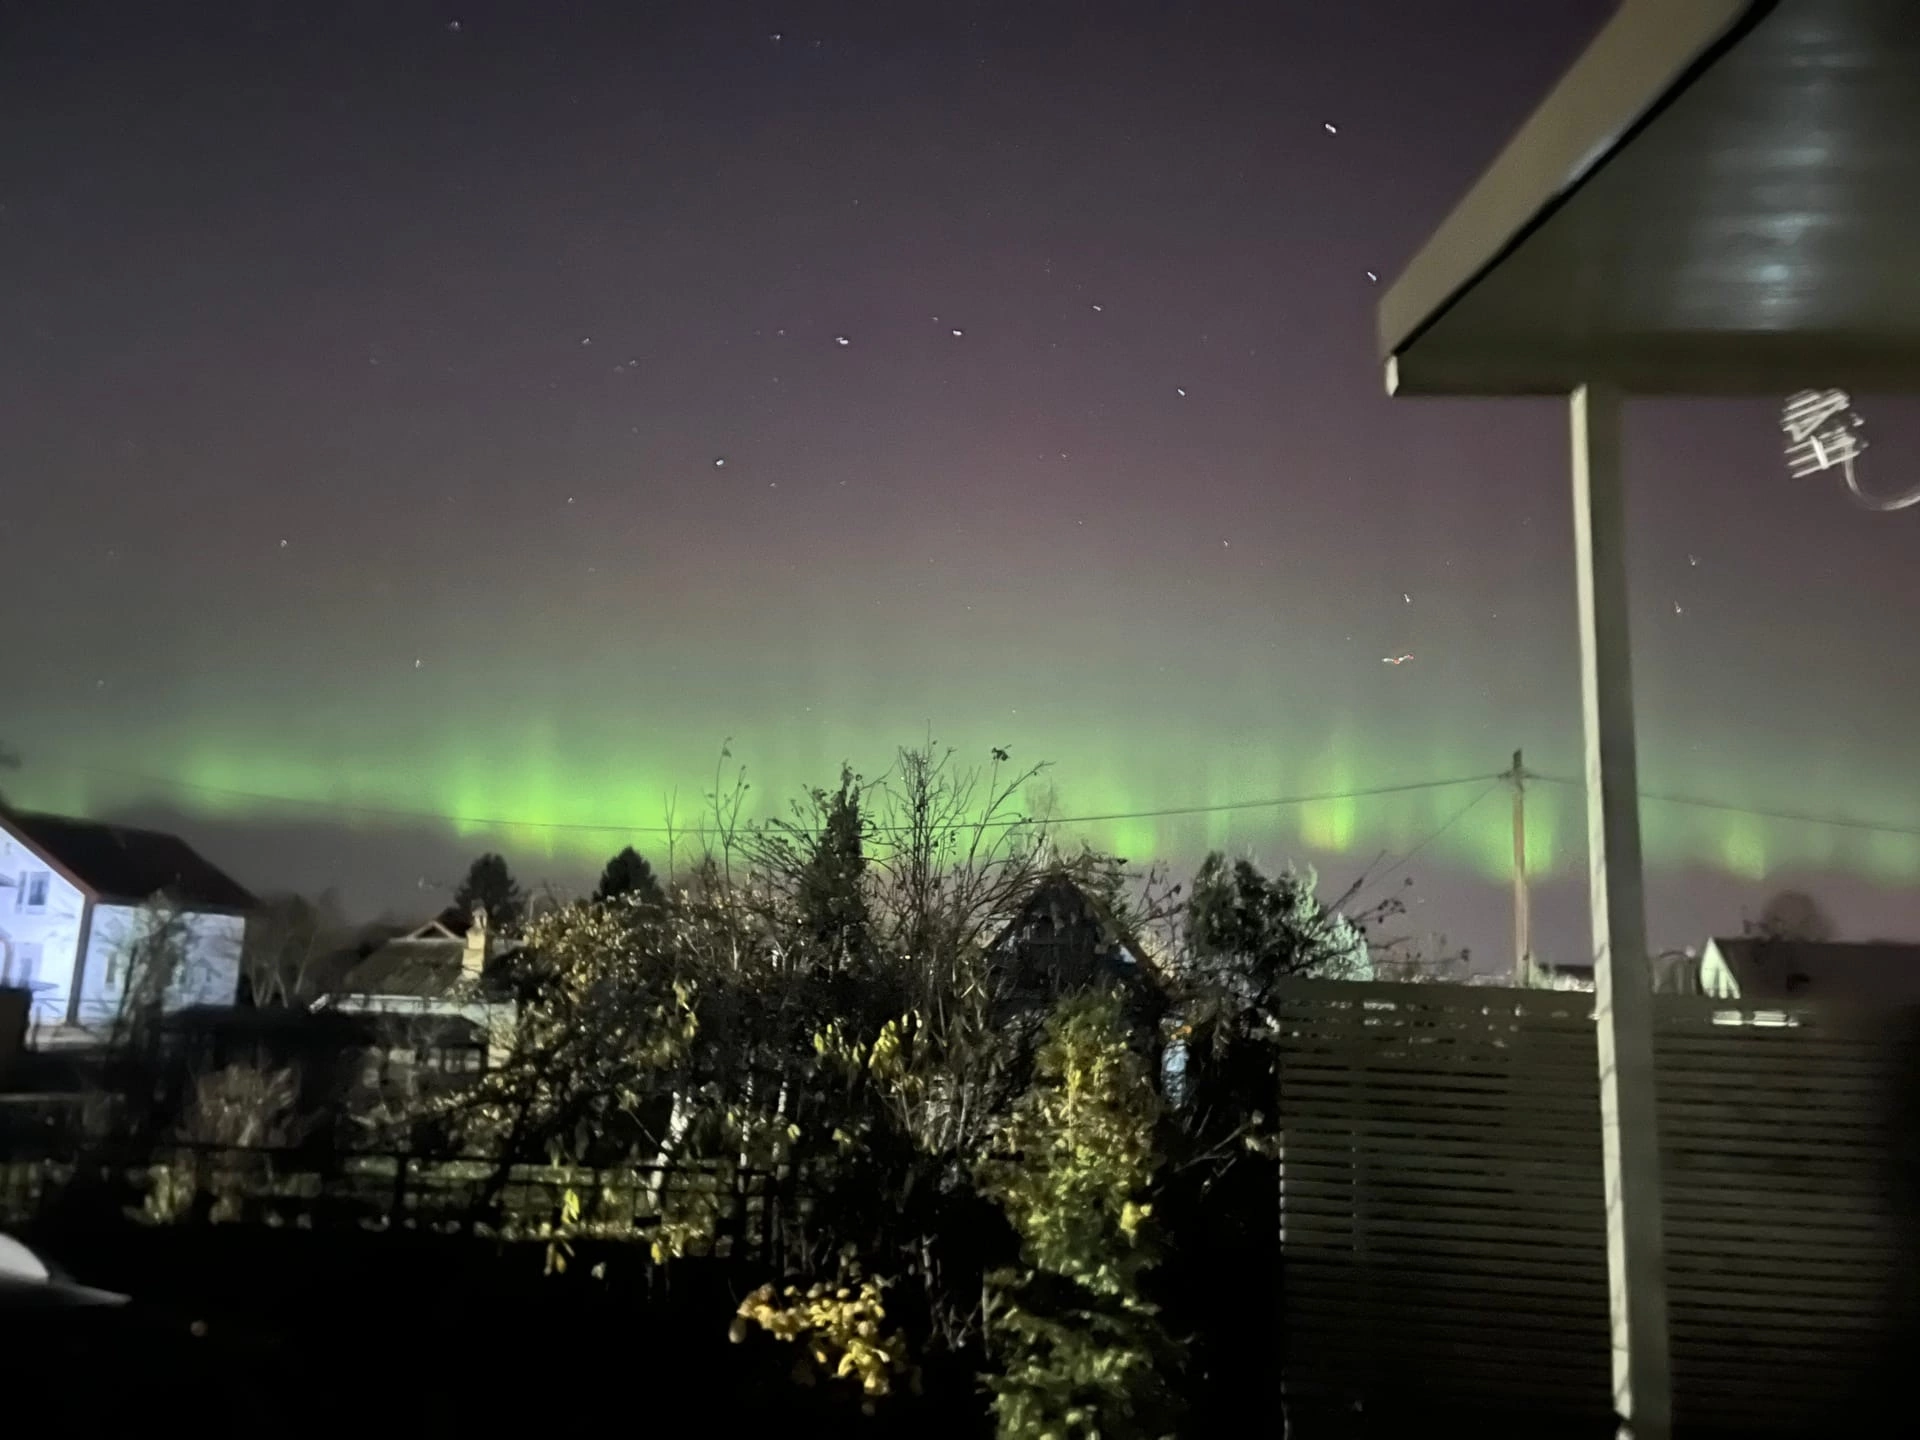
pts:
pixel 1245 933
pixel 491 886
pixel 832 890
pixel 1079 1350
pixel 629 874
pixel 1246 930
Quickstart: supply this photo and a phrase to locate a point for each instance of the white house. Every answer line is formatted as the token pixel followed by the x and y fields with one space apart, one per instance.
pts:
pixel 75 898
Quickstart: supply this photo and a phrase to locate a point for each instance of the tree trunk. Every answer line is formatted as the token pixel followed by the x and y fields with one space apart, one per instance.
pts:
pixel 678 1120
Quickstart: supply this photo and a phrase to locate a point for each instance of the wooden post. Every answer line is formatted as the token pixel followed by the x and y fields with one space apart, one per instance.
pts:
pixel 396 1218
pixel 1622 982
pixel 1522 916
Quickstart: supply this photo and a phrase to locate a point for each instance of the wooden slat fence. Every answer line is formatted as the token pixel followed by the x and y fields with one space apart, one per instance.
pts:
pixel 1787 1215
pixel 1443 1205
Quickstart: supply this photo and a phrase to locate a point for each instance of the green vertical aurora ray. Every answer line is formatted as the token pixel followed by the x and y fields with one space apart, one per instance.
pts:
pixel 541 728
pixel 322 509
pixel 547 783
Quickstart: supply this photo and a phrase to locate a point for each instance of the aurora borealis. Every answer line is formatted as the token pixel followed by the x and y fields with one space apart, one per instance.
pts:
pixel 365 378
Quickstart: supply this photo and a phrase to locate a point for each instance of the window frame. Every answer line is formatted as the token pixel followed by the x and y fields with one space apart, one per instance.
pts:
pixel 23 898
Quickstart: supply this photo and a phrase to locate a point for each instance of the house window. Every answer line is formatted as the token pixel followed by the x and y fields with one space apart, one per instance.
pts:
pixel 19 963
pixel 32 894
pixel 454 1059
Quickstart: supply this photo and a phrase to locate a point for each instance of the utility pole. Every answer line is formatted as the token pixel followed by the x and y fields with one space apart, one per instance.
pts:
pixel 1522 914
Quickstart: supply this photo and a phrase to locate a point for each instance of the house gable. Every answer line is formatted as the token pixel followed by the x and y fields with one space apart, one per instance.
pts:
pixel 1760 968
pixel 128 865
pixel 1063 939
pixel 98 881
pixel 26 845
pixel 44 915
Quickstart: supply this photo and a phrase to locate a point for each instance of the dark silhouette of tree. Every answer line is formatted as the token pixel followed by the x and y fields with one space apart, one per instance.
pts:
pixel 491 886
pixel 1246 930
pixel 1245 933
pixel 1428 959
pixel 832 890
pixel 290 940
pixel 629 875
pixel 8 761
pixel 1793 915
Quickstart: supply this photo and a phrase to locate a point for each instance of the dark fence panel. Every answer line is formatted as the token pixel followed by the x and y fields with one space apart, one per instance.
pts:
pixel 1444 1223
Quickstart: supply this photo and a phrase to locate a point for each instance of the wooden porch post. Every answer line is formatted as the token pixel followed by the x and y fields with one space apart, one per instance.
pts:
pixel 1623 983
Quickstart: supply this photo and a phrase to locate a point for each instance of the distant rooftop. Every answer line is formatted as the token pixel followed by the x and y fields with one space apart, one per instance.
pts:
pixel 121 864
pixel 425 964
pixel 1884 972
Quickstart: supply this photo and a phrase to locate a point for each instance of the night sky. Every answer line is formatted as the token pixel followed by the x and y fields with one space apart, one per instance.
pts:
pixel 418 417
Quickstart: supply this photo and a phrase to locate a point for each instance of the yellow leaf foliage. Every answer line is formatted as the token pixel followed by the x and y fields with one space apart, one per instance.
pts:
pixel 841 1331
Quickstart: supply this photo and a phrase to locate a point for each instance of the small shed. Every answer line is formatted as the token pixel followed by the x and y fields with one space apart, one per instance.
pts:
pixel 1065 938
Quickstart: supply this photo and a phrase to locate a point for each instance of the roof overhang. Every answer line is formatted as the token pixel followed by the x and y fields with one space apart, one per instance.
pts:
pixel 21 838
pixel 1720 197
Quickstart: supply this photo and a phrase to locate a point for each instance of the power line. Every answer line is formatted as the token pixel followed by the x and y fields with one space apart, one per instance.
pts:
pixel 1367 878
pixel 1167 812
pixel 1364 794
pixel 1799 817
pixel 1434 835
pixel 494 822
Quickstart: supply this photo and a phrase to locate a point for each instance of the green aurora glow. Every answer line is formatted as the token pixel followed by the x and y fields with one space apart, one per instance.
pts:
pixel 318 496
pixel 547 795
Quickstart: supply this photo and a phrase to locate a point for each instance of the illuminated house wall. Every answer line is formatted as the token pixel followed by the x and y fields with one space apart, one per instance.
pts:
pixel 42 914
pixel 210 961
pixel 51 917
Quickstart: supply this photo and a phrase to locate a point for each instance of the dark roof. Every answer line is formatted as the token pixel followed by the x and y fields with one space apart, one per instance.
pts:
pixel 120 863
pixel 1059 902
pixel 1717 197
pixel 1827 969
pixel 425 964
pixel 425 968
